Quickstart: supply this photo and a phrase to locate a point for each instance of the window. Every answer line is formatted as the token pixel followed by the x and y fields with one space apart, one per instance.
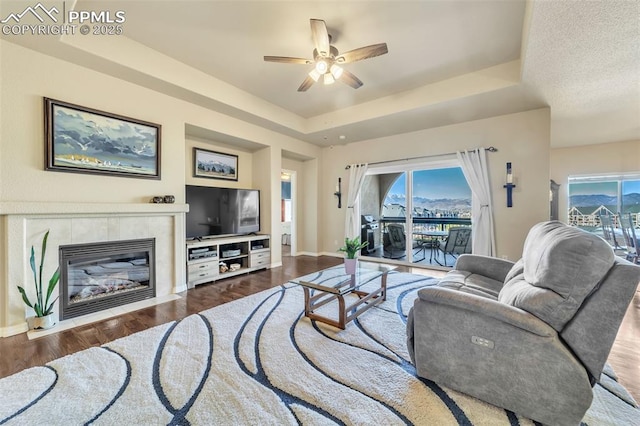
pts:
pixel 630 196
pixel 590 196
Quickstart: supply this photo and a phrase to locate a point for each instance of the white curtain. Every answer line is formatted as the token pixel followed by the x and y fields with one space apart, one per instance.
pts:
pixel 356 177
pixel 474 167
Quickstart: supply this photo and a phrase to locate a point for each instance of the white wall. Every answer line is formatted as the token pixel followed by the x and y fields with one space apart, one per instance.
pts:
pixel 312 225
pixel 522 139
pixel 27 76
pixel 266 177
pixel 601 159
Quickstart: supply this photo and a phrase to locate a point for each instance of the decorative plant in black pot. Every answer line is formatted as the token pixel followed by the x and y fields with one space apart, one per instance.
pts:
pixel 43 305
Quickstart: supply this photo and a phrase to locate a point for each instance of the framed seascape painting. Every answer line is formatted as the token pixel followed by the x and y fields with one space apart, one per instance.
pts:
pixel 214 165
pixel 85 140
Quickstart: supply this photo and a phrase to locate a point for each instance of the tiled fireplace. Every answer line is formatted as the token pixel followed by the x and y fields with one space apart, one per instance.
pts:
pixel 23 224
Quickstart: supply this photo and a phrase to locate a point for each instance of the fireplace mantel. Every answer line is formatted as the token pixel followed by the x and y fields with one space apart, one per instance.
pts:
pixel 37 207
pixel 23 224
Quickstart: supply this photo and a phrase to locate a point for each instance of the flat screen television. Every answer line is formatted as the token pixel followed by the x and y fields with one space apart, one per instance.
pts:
pixel 217 211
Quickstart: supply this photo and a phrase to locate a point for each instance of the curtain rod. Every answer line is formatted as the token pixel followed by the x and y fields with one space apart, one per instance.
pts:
pixel 490 149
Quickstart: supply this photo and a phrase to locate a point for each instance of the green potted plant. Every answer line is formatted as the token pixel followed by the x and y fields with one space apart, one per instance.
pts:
pixel 42 306
pixel 351 248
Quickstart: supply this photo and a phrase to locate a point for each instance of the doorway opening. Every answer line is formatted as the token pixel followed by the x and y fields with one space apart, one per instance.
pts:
pixel 288 212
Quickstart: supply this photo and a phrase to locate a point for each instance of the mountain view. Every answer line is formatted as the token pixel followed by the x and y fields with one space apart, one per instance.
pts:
pixel 395 204
pixel 436 193
pixel 589 203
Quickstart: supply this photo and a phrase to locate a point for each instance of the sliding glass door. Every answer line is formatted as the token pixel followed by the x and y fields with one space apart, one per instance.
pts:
pixel 408 210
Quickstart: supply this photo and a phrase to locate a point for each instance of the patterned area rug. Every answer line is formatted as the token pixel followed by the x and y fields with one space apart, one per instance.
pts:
pixel 259 361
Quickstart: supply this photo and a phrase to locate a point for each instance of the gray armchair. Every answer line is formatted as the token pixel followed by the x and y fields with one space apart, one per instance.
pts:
pixel 531 337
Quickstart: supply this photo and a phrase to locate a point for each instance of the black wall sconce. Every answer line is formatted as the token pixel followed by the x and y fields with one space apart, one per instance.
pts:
pixel 338 192
pixel 509 186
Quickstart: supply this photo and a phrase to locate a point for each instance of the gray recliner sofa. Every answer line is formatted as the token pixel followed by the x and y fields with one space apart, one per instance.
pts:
pixel 531 336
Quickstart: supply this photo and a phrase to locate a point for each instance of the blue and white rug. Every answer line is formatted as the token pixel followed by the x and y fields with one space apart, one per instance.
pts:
pixel 259 361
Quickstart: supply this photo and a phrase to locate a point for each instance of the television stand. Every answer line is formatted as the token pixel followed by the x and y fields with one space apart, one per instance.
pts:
pixel 212 259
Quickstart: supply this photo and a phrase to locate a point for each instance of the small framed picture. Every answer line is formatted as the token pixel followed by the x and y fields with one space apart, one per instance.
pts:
pixel 85 140
pixel 214 165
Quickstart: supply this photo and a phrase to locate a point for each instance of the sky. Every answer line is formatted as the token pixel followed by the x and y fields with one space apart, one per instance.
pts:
pixel 434 184
pixel 631 187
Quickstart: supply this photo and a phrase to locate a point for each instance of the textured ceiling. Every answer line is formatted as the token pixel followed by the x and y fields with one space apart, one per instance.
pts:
pixel 583 59
pixel 448 62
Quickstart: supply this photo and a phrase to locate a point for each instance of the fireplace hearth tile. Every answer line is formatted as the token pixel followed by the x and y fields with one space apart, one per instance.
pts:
pixel 102 315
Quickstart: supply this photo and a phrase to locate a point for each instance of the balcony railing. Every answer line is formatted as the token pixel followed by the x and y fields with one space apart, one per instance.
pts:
pixel 593 220
pixel 423 224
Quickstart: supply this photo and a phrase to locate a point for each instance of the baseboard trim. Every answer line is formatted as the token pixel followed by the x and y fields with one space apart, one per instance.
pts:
pixel 332 254
pixel 307 253
pixel 12 330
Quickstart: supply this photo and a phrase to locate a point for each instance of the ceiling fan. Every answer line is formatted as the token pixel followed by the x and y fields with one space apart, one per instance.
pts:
pixel 327 59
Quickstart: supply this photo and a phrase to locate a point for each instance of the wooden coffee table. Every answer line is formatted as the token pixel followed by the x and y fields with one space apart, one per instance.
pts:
pixel 369 283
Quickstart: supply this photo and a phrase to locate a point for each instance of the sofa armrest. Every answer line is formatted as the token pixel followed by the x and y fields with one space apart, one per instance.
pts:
pixel 491 267
pixel 481 305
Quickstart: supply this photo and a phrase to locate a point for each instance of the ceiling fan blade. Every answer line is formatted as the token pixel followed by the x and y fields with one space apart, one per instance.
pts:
pixel 288 60
pixel 363 53
pixel 308 82
pixel 320 36
pixel 350 79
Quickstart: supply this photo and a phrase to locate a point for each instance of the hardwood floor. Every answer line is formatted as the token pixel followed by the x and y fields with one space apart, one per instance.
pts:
pixel 18 352
pixel 625 353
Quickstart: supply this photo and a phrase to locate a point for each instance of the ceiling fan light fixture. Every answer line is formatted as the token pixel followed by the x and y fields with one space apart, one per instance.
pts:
pixel 315 75
pixel 322 66
pixel 336 71
pixel 327 61
pixel 328 78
